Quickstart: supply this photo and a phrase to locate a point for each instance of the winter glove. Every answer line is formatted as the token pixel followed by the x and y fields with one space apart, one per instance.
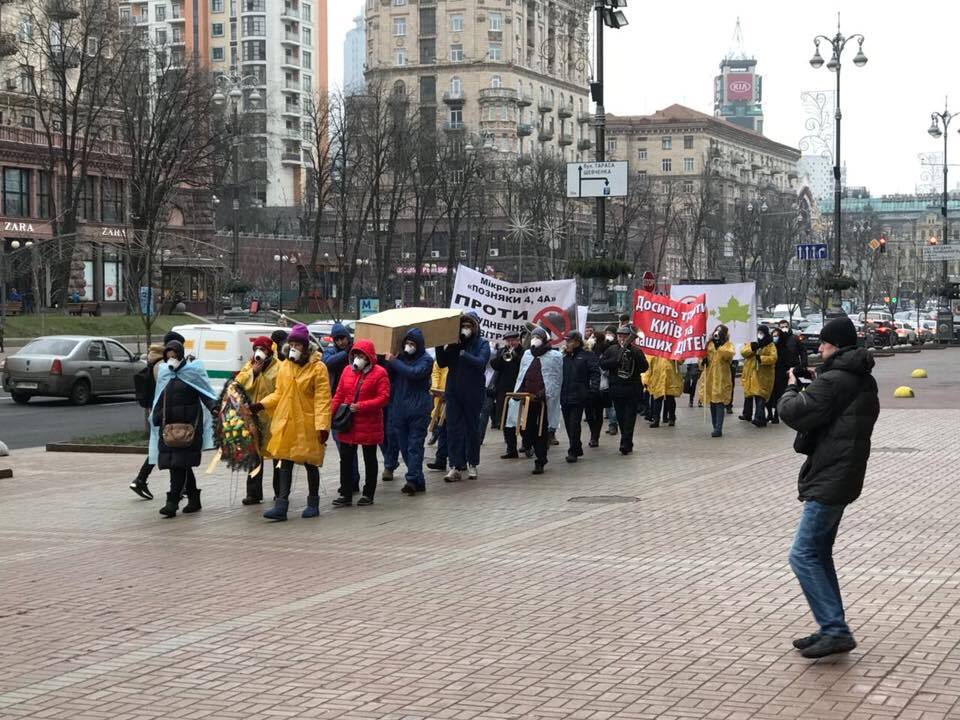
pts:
pixel 256 407
pixel 754 346
pixel 706 362
pixel 322 436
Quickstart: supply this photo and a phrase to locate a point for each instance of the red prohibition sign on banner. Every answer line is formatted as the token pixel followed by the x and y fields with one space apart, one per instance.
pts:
pixel 543 319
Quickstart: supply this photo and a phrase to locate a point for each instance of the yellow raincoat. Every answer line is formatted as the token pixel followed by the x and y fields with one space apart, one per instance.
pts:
pixel 716 385
pixel 257 389
pixel 663 378
pixel 758 371
pixel 299 407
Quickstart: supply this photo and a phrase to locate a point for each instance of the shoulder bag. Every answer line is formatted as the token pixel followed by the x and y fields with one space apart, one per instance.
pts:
pixel 178 435
pixel 342 419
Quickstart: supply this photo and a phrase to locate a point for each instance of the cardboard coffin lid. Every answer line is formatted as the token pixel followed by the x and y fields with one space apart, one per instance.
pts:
pixel 387 329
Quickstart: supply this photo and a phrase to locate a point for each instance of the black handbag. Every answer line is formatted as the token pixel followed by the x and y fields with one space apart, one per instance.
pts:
pixel 342 419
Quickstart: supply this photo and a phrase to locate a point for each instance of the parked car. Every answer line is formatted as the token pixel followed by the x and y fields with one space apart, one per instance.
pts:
pixel 883 332
pixel 73 366
pixel 906 333
pixel 810 338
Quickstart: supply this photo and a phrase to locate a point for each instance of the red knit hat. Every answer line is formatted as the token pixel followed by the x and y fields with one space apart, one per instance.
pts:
pixel 262 342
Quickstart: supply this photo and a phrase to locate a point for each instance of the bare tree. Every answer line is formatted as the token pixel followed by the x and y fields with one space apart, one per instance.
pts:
pixel 318 152
pixel 457 179
pixel 424 191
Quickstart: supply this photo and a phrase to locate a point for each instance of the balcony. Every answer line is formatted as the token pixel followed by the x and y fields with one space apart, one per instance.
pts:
pixel 565 110
pixel 290 157
pixel 454 99
pixel 545 134
pixel 584 145
pixel 62 10
pixel 8 44
pixel 293 133
pixel 291 62
pixel 291 86
pixel 525 100
pixel 565 139
pixel 500 94
pixel 66 56
pixel 291 38
pixel 545 105
pixel 524 130
pixel 290 13
pixel 585 118
pixel 292 109
pixel 453 126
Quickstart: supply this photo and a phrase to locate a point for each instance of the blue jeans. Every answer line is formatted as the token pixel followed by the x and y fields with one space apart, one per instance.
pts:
pixel 811 559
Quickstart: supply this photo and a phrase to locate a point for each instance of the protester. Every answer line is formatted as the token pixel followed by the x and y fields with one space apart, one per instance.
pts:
pixel 258 378
pixel 438 384
pixel 409 406
pixel 599 401
pixel 279 338
pixel 184 430
pixel 299 408
pixel 715 380
pixel 336 355
pixel 466 384
pixel 759 361
pixel 589 337
pixel 609 338
pixel 790 354
pixel 365 388
pixel 625 363
pixel 540 375
pixel 834 418
pixel 666 385
pixel 506 363
pixel 690 378
pixel 581 385
pixel 145 385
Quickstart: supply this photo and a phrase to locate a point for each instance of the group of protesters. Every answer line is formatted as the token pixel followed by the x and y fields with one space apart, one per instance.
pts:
pixel 524 385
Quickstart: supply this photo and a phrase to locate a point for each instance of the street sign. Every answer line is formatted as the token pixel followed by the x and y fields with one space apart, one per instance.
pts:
pixel 369 306
pixel 649 281
pixel 939 253
pixel 874 244
pixel 596 179
pixel 812 251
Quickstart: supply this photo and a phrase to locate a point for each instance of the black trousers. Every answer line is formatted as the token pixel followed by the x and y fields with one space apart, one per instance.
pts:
pixel 594 414
pixel 510 438
pixel 255 482
pixel 182 480
pixel 145 471
pixel 666 406
pixel 348 461
pixel 536 435
pixel 626 409
pixel 283 479
pixel 573 421
pixel 748 407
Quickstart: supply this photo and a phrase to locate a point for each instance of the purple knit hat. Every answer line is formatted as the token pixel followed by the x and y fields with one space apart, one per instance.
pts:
pixel 299 334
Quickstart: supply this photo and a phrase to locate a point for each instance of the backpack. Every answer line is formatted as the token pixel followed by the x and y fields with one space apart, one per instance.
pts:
pixel 144 387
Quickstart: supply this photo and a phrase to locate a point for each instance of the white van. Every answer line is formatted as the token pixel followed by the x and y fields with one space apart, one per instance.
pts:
pixel 223 349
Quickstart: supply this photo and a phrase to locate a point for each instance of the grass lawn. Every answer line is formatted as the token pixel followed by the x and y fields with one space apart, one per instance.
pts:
pixel 31 326
pixel 135 438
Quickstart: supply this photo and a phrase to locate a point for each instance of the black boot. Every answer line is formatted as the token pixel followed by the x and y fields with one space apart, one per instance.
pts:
pixel 254 489
pixel 173 502
pixel 193 501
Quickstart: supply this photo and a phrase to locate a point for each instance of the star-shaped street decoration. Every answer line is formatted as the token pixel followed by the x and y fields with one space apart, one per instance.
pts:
pixel 520 227
pixel 733 311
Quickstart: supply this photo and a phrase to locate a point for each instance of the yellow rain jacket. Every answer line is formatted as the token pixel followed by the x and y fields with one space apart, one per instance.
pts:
pixel 257 389
pixel 758 371
pixel 663 378
pixel 299 407
pixel 716 385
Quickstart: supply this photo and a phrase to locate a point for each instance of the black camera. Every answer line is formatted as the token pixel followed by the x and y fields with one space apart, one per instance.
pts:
pixel 802 373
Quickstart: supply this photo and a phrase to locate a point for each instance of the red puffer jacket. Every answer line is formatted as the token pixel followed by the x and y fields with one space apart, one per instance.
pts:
pixel 367 428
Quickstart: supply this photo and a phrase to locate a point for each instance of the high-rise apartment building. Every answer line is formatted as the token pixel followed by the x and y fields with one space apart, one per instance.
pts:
pixel 738 90
pixel 354 50
pixel 514 73
pixel 281 44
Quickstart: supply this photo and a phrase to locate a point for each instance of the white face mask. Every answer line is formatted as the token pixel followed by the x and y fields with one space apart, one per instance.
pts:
pixel 260 355
pixel 536 342
pixel 294 354
pixel 611 338
pixel 409 348
pixel 759 337
pixel 359 363
pixel 466 331
pixel 173 363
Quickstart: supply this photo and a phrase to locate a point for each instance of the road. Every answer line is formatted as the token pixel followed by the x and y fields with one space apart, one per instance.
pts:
pixel 46 420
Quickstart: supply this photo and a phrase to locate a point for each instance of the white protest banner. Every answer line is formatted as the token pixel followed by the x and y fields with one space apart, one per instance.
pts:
pixel 582 311
pixel 504 306
pixel 730 304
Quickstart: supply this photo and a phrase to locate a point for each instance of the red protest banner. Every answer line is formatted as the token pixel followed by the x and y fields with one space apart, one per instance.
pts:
pixel 671 329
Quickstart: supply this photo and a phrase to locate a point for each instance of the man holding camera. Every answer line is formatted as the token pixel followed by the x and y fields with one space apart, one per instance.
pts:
pixel 834 417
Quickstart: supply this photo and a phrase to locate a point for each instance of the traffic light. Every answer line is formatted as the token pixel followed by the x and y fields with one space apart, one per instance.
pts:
pixel 933 240
pixel 893 300
pixel 883 244
pixel 954 289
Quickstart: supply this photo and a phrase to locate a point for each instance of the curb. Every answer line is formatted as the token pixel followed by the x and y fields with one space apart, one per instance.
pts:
pixel 103 449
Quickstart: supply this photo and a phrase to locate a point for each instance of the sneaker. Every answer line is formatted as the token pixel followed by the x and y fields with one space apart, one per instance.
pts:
pixel 612 430
pixel 472 472
pixel 510 455
pixel 141 489
pixel 655 424
pixel 805 642
pixel 342 502
pixel 364 501
pixel 386 476
pixel 409 489
pixel 829 645
pixel 452 476
pixel 716 433
pixel 626 451
pixel 537 469
pixel 594 443
pixel 745 418
pixel 437 465
pixel 571 458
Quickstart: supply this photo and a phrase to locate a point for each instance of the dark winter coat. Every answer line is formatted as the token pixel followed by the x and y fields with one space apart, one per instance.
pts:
pixel 180 403
pixel 367 428
pixel 410 380
pixel 337 360
pixel 629 387
pixel 837 446
pixel 506 378
pixel 581 377
pixel 467 363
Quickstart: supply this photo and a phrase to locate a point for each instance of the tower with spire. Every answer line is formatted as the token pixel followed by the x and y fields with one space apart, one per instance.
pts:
pixel 737 90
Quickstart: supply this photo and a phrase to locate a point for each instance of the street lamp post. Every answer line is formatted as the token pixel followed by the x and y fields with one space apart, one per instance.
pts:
pixel 838 42
pixel 232 86
pixel 936 119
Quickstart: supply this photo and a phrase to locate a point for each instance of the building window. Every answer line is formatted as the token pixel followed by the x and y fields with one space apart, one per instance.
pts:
pixel 307 36
pixel 641 153
pixel 111 199
pixel 216 29
pixel 495 52
pixel 666 143
pixel 26 27
pixel 496 81
pixel 16 192
pixel 44 195
pixel 688 142
pixel 254 26
pixel 456 53
pixel 87 209
pixel 400 56
pixel 399 27
pixel 642 174
pixel 688 186
pixel 666 165
pixel 26 80
pixel 496 22
pixel 217 54
pixel 399 3
pixel 161 37
pixel 216 6
pixel 456 23
pixel 306 12
pixel 161 13
pixel 27 121
pixel 254 50
pixel 456 87
pixel 688 165
pixel 456 118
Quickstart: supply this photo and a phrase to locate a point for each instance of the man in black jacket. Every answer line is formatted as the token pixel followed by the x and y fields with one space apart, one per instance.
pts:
pixel 834 418
pixel 581 382
pixel 790 354
pixel 625 362
pixel 506 364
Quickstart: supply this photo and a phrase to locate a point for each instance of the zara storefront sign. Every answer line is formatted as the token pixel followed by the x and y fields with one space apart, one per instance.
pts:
pixel 111 232
pixel 18 227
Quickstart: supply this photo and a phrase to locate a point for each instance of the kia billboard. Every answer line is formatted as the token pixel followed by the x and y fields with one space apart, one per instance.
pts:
pixel 739 86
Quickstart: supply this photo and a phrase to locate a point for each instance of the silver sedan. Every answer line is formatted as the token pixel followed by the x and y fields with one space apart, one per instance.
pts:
pixel 78 367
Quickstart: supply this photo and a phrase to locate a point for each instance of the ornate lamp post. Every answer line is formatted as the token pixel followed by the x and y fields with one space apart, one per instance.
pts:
pixel 838 42
pixel 936 120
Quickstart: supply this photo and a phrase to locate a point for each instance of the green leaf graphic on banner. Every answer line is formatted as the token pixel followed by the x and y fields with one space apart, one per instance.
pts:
pixel 733 311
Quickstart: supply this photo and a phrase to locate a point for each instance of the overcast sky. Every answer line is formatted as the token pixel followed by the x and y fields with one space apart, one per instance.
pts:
pixel 670 53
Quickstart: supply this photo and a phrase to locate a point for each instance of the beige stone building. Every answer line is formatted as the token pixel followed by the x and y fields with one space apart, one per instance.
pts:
pixel 512 72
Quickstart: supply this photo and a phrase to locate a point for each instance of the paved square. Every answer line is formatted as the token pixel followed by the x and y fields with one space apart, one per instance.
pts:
pixel 496 598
